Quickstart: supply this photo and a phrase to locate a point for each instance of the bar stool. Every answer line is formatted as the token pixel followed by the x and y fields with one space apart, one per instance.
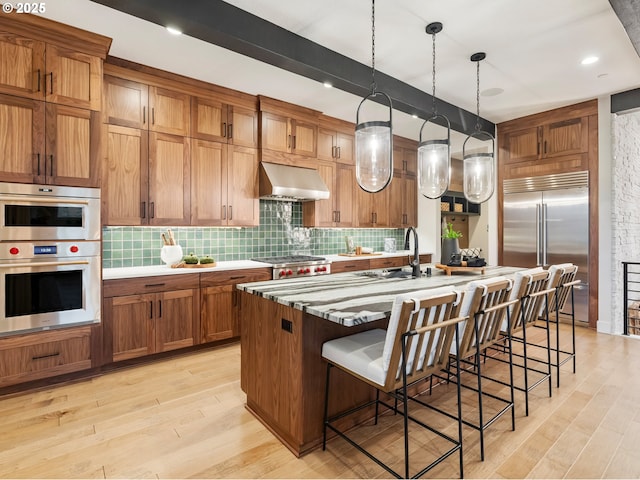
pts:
pixel 487 303
pixel 423 328
pixel 562 279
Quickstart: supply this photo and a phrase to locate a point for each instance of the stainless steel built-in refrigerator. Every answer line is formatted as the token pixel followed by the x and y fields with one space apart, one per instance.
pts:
pixel 546 222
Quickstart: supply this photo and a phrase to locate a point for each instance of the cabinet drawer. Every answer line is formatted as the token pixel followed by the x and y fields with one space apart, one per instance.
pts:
pixel 41 355
pixel 388 262
pixel 349 266
pixel 141 285
pixel 210 279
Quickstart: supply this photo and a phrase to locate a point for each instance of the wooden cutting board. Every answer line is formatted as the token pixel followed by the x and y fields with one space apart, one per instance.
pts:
pixel 361 255
pixel 449 270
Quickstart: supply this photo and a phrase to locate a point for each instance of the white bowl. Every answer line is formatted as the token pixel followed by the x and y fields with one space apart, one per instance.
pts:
pixel 171 254
pixel 367 250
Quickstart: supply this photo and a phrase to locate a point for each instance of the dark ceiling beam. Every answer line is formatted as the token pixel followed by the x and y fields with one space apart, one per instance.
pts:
pixel 227 26
pixel 628 12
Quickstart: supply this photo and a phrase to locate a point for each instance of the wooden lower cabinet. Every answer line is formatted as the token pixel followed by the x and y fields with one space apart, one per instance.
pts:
pixel 149 315
pixel 45 354
pixel 220 310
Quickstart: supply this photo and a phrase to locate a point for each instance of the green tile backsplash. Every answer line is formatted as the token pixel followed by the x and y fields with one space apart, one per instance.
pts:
pixel 280 233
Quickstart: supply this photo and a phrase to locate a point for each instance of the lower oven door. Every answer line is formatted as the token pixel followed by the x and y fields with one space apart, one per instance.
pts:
pixel 38 295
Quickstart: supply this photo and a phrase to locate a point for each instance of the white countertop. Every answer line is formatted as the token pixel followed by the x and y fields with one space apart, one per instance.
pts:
pixel 156 270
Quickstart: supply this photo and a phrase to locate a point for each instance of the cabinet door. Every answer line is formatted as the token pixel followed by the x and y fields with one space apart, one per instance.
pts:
pixel 169 111
pixel 132 325
pixel 456 179
pixel 276 134
pixel 381 210
pixel 304 138
pixel 21 66
pixel 21 139
pixel 73 143
pixel 243 130
pixel 125 176
pixel 410 202
pixel 366 213
pixel 73 78
pixel 346 145
pixel 208 183
pixel 325 212
pixel 125 103
pixel 169 180
pixel 345 196
pixel 209 120
pixel 174 319
pixel 326 144
pixel 567 137
pixel 522 145
pixel 243 206
pixel 410 161
pixel 218 316
pixel 396 201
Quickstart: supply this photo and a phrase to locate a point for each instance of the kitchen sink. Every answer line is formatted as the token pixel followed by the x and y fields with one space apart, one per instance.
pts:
pixel 395 273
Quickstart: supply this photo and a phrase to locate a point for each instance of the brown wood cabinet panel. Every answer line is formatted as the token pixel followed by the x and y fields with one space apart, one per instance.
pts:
pixel 170 111
pixel 125 103
pixel 73 144
pixel 44 354
pixel 156 284
pixel 242 186
pixel 22 140
pixel 522 145
pixel 304 138
pixel 226 277
pixel 169 180
pixel 403 201
pixel 335 146
pixel 388 262
pixel 132 326
pixel 373 208
pixel 244 127
pixel 218 320
pixel 456 179
pixel 405 159
pixel 326 144
pixel 209 120
pixel 345 197
pixel 21 66
pixel 567 137
pixel 73 78
pixel 125 171
pixel 351 265
pixel 346 144
pixel 276 132
pixel 208 182
pixel 175 319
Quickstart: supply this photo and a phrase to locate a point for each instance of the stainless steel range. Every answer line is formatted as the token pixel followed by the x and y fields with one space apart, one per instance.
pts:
pixel 292 266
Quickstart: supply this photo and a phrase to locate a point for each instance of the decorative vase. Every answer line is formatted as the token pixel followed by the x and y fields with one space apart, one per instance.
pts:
pixel 449 247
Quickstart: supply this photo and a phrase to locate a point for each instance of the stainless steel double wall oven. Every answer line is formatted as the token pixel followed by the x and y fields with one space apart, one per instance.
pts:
pixel 50 267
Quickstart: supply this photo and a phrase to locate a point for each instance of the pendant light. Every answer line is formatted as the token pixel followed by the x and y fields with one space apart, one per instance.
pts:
pixel 478 168
pixel 374 140
pixel 434 156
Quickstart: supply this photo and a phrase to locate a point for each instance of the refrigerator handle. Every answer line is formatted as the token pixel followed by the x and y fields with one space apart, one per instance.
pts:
pixel 544 234
pixel 538 260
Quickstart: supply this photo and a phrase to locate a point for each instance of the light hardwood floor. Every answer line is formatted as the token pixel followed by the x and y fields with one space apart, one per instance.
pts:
pixel 185 417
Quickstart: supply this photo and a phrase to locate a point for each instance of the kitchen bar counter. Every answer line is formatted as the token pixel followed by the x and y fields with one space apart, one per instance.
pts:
pixel 283 326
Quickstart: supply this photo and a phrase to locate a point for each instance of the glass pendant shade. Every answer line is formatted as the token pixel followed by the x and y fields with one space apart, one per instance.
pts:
pixel 478 177
pixel 374 151
pixel 434 161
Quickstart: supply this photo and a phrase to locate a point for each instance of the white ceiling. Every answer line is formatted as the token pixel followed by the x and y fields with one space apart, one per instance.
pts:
pixel 534 49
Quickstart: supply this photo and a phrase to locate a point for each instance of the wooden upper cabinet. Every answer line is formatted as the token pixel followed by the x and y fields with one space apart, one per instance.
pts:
pixel 405 159
pixel 242 186
pixel 336 146
pixel 566 137
pixel 169 180
pixel 346 144
pixel 169 111
pixel 288 135
pixel 21 66
pixel 126 103
pixel 522 145
pixel 125 169
pixel 403 202
pixel 220 122
pixel 374 208
pixel 73 145
pixel 73 78
pixel 22 140
pixel 304 135
pixel 345 196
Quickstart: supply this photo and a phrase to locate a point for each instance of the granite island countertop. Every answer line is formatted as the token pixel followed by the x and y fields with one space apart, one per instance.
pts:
pixel 354 298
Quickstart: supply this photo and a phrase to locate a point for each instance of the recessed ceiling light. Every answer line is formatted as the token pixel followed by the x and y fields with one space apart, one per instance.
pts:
pixel 414 116
pixel 174 31
pixel 327 85
pixel 589 60
pixel 492 92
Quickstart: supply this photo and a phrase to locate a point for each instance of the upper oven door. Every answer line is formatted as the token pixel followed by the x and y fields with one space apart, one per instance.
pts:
pixel 60 287
pixel 23 217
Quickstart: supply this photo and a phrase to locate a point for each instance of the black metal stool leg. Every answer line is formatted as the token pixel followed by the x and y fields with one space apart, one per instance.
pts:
pixel 326 408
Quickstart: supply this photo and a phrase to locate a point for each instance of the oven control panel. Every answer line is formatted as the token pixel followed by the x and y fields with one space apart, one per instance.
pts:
pixel 295 271
pixel 46 249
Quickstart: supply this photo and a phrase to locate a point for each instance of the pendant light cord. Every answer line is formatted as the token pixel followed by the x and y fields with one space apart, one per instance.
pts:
pixel 478 96
pixel 433 80
pixel 373 47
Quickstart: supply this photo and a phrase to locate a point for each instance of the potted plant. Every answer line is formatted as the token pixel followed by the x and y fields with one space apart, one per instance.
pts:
pixel 450 244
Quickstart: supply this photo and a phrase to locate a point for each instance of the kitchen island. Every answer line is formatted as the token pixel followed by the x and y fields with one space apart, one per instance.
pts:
pixel 283 326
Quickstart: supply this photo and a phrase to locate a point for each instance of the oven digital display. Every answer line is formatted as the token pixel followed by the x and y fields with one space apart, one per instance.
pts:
pixel 45 250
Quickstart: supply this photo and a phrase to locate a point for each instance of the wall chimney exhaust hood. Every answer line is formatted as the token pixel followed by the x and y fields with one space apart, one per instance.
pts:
pixel 289 183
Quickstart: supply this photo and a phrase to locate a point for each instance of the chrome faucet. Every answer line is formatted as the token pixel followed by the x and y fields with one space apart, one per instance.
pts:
pixel 415 263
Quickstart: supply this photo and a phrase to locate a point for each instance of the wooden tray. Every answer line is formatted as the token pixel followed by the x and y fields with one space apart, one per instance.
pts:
pixel 361 255
pixel 193 265
pixel 449 270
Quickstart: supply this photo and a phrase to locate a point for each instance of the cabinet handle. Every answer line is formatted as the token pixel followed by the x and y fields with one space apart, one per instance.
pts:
pixel 237 277
pixel 49 355
pixel 230 135
pixel 545 147
pixel 339 152
pixel 38 155
pixel 50 166
pixel 152 285
pixel 338 216
pixel 230 212
pixel 294 142
pixel 144 114
pixel 45 81
pixel 143 209
pixel 153 115
pixel 39 80
pixel 224 212
pixel 334 151
pixel 151 309
pixel 152 210
pixel 160 309
pixel 289 141
pixel 538 149
pixel 224 129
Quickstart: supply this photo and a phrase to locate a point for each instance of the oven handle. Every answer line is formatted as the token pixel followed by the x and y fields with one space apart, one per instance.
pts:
pixel 60 200
pixel 44 264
